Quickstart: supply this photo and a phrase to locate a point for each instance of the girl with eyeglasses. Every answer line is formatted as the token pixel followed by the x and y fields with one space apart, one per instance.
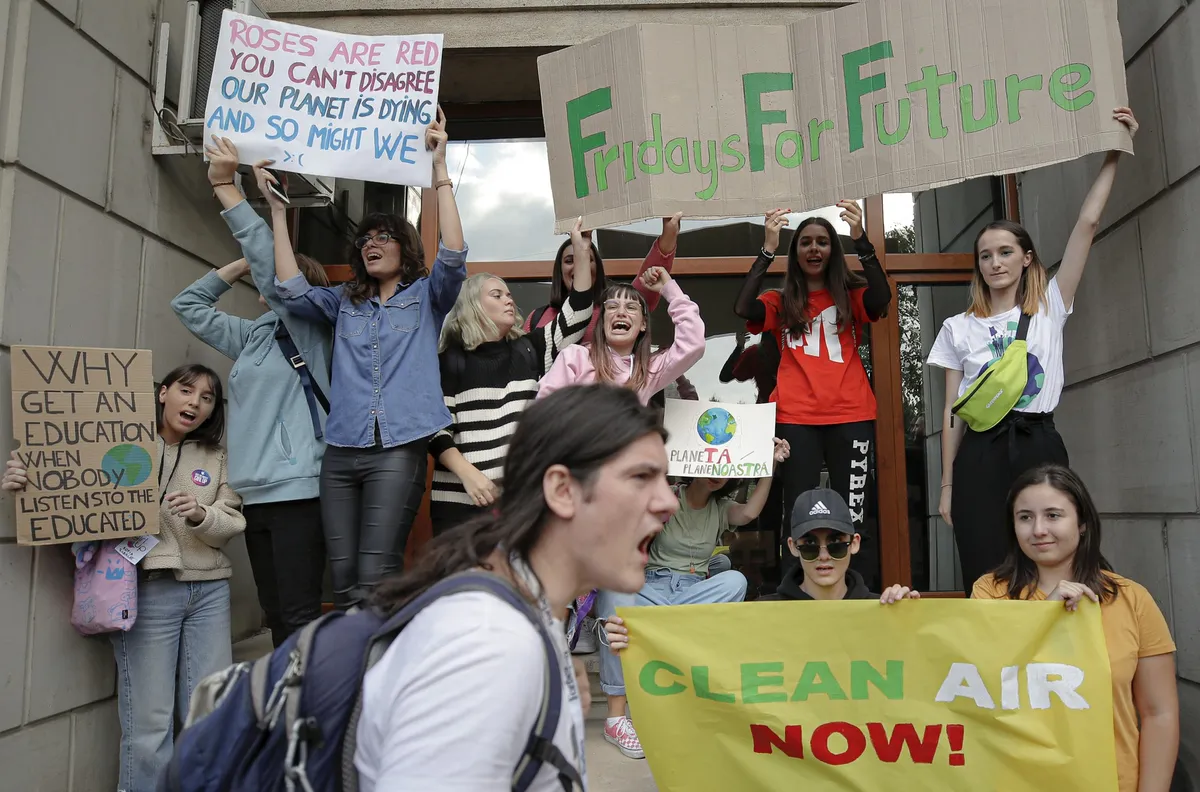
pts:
pixel 620 354
pixel 490 370
pixel 386 396
pixel 1053 535
pixel 568 261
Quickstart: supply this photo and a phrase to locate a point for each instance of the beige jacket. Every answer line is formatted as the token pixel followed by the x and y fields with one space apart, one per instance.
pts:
pixel 193 550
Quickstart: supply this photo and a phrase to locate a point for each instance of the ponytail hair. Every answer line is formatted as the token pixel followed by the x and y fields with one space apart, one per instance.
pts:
pixel 582 428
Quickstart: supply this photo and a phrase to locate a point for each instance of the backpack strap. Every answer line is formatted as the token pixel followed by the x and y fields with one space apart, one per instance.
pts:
pixel 535 318
pixel 1023 326
pixel 539 749
pixel 312 391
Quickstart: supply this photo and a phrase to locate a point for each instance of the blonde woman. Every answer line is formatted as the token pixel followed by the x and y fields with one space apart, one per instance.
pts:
pixel 490 370
pixel 1009 282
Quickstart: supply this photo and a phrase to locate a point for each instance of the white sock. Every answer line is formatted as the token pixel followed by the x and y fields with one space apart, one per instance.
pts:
pixel 612 721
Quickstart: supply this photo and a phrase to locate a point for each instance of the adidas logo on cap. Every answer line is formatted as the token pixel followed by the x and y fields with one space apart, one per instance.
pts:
pixel 818 508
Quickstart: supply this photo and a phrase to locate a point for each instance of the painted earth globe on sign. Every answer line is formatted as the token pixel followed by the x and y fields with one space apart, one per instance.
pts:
pixel 716 426
pixel 129 465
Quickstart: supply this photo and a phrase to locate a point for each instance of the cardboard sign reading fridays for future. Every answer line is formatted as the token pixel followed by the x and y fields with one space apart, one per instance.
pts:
pixel 879 96
pixel 711 440
pixel 330 104
pixel 85 424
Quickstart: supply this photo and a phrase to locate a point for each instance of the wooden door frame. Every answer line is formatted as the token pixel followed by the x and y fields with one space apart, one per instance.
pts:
pixel 902 268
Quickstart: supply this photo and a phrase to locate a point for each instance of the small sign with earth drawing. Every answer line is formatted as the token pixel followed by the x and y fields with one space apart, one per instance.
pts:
pixel 712 440
pixel 85 425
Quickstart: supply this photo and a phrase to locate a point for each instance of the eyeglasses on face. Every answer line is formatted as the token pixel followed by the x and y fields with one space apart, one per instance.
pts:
pixel 378 239
pixel 630 307
pixel 810 551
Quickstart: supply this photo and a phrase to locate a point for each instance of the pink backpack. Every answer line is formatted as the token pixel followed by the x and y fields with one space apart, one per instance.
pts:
pixel 105 589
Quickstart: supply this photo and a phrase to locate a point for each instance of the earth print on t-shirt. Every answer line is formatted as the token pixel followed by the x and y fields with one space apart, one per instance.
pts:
pixel 1036 377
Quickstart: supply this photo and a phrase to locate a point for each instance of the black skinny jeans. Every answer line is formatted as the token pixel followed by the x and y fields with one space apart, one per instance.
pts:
pixel 286 546
pixel 369 499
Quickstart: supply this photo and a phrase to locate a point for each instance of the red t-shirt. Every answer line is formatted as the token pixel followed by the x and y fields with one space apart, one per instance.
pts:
pixel 821 377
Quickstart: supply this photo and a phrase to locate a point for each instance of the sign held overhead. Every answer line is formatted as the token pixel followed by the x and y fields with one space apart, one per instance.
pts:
pixel 324 103
pixel 85 423
pixel 879 96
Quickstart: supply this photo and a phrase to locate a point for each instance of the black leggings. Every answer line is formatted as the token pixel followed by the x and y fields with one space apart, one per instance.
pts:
pixel 985 467
pixel 844 448
pixel 287 556
pixel 369 499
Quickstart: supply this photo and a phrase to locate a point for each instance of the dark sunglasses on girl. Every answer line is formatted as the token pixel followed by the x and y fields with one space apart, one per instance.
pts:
pixel 810 551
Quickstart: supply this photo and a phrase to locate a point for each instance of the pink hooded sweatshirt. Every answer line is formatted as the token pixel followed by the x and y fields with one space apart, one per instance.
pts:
pixel 574 364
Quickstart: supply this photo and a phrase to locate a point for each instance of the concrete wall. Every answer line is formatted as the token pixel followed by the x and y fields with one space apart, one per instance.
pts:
pixel 96 236
pixel 1130 414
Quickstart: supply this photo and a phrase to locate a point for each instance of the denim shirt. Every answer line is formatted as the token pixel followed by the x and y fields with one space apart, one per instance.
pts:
pixel 385 360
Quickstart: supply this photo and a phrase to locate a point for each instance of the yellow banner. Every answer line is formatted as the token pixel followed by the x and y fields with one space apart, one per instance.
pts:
pixel 920 695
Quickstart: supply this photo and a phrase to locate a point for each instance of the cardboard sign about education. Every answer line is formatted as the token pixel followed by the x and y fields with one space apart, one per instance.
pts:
pixel 711 440
pixel 879 96
pixel 325 103
pixel 85 425
pixel 927 694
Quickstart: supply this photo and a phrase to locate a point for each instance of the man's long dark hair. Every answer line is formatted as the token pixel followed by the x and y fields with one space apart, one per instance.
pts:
pixel 209 433
pixel 1089 567
pixel 581 427
pixel 412 255
pixel 559 290
pixel 839 280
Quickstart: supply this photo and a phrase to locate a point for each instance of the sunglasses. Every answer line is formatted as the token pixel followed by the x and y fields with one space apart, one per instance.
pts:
pixel 378 239
pixel 837 550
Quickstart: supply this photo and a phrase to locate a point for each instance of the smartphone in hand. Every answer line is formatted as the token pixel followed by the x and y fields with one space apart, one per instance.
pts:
pixel 278 188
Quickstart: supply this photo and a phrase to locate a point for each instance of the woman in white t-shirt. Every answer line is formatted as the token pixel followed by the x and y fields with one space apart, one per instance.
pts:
pixel 979 467
pixel 451 704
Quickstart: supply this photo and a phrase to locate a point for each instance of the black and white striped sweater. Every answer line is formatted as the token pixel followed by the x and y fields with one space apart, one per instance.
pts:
pixel 488 388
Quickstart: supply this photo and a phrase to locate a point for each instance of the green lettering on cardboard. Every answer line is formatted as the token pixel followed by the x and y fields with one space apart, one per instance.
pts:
pixel 890 683
pixel 991 110
pixel 797 156
pixel 1059 88
pixel 700 685
pixel 647 678
pixel 931 83
pixel 818 678
pixel 902 127
pixel 728 150
pixel 579 108
pixel 754 85
pixel 1014 86
pixel 601 159
pixel 683 165
pixel 857 87
pixel 706 166
pixel 655 145
pixel 627 159
pixel 815 130
pixel 753 680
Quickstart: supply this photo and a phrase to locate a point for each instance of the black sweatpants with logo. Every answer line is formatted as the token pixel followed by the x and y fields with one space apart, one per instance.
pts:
pixel 985 467
pixel 844 448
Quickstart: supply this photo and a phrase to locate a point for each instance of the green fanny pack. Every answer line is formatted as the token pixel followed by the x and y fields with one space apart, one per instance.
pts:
pixel 993 395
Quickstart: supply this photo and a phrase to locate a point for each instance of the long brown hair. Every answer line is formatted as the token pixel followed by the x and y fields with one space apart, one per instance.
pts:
pixel 558 287
pixel 1031 292
pixel 580 428
pixel 839 280
pixel 639 373
pixel 412 255
pixel 1089 565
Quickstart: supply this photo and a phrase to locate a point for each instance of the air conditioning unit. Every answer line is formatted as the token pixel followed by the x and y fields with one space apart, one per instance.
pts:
pixel 181 131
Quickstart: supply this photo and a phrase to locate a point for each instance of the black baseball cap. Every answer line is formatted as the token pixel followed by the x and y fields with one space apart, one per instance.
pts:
pixel 821 508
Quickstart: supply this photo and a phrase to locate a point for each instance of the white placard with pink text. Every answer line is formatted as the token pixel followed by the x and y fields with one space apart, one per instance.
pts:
pixel 324 103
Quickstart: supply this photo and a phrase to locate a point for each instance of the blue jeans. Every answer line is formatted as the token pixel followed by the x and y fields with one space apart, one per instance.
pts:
pixel 663 587
pixel 182 634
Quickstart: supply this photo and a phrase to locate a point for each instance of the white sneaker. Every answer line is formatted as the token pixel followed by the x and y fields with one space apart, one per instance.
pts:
pixel 620 732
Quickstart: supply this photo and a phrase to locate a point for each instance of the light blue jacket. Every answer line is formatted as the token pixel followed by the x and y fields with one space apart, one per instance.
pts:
pixel 274 455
